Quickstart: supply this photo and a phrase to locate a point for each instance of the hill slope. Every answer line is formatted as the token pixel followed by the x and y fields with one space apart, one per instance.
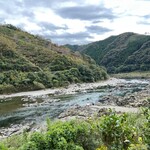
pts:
pixel 123 53
pixel 29 62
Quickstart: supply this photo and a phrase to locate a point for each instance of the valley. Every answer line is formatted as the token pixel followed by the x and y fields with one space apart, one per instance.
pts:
pixel 126 52
pixel 27 110
pixel 48 90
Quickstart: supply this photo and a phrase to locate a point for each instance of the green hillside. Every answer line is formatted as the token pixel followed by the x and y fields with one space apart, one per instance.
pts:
pixel 73 47
pixel 123 53
pixel 29 62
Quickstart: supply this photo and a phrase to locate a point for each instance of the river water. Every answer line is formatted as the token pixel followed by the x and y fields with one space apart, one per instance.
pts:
pixel 36 109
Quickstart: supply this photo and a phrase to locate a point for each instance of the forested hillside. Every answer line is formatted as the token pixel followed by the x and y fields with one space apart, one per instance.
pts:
pixel 29 62
pixel 123 53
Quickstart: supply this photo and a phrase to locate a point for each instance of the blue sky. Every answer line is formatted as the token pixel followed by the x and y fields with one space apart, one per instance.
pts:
pixel 77 21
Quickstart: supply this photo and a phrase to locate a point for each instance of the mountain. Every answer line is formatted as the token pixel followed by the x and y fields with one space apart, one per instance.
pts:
pixel 29 62
pixel 73 47
pixel 123 53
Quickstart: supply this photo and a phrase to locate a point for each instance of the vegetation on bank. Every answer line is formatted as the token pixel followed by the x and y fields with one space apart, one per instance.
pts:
pixel 29 62
pixel 109 132
pixel 131 75
pixel 123 53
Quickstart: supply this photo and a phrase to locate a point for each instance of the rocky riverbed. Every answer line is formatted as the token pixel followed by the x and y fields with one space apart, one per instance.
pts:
pixel 29 110
pixel 71 89
pixel 129 103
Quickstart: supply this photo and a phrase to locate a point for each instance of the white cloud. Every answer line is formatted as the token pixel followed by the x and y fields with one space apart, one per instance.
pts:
pixel 50 17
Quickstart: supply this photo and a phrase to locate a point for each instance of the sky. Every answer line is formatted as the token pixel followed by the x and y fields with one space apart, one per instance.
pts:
pixel 77 21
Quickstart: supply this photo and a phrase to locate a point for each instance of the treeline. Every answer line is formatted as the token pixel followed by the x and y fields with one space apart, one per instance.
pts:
pixel 13 81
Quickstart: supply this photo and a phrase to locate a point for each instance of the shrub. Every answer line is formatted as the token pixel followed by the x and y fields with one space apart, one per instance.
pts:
pixel 111 132
pixel 7 88
pixel 146 127
pixel 138 146
pixel 72 134
pixel 39 140
pixel 55 83
pixel 29 146
pixel 2 147
pixel 115 131
pixel 38 85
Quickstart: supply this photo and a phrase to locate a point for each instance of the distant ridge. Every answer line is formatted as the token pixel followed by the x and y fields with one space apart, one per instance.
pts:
pixel 123 53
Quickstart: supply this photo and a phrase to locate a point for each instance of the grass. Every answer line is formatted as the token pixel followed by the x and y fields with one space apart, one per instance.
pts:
pixel 131 75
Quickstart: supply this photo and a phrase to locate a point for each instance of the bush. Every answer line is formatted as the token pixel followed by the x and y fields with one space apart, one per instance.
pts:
pixel 2 147
pixel 55 83
pixel 115 131
pixel 29 146
pixel 38 85
pixel 138 146
pixel 7 88
pixel 146 127
pixel 111 132
pixel 72 134
pixel 72 146
pixel 39 140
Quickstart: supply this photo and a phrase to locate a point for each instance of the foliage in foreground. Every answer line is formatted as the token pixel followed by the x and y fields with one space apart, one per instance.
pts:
pixel 111 132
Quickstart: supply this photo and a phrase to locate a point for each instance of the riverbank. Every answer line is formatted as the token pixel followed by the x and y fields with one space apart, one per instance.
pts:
pixel 75 101
pixel 132 75
pixel 125 128
pixel 91 111
pixel 71 89
pixel 130 103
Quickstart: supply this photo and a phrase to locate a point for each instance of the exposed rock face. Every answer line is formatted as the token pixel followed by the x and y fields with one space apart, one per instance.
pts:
pixel 109 100
pixel 15 129
pixel 128 103
pixel 78 111
pixel 125 101
pixel 103 111
pixel 138 99
pixel 93 111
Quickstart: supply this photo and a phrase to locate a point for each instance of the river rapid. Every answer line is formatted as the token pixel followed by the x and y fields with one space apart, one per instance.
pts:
pixel 23 111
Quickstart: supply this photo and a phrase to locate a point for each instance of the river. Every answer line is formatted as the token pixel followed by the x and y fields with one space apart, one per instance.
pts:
pixel 17 111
